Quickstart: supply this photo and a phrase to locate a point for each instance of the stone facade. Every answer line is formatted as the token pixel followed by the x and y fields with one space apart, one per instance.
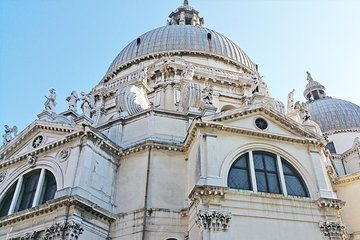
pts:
pixel 178 144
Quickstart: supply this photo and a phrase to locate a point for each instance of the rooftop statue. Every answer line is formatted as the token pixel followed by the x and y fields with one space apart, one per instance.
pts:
pixel 290 104
pixel 50 102
pixel 73 99
pixel 9 134
pixel 309 77
pixel 87 103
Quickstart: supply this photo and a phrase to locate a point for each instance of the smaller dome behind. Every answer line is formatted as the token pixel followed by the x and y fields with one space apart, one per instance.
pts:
pixel 335 114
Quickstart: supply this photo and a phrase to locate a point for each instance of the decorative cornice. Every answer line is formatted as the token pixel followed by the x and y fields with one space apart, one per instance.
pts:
pixel 55 204
pixel 347 179
pixel 334 229
pixel 213 220
pixel 341 131
pixel 292 125
pixel 207 191
pixel 330 203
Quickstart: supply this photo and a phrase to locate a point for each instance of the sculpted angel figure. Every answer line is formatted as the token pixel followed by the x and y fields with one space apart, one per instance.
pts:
pixel 73 99
pixel 9 134
pixel 87 103
pixel 50 102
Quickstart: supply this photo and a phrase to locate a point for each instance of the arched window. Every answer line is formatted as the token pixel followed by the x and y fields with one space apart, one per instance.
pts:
pixel 30 190
pixel 266 172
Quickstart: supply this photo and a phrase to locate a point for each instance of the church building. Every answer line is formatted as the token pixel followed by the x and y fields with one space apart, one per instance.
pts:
pixel 181 140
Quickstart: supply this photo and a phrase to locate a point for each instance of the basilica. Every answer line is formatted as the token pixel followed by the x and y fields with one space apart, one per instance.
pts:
pixel 179 140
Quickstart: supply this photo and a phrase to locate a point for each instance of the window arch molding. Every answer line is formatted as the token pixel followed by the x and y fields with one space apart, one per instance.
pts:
pixel 44 163
pixel 233 156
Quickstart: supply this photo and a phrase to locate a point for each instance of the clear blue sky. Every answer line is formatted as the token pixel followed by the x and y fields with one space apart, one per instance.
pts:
pixel 68 45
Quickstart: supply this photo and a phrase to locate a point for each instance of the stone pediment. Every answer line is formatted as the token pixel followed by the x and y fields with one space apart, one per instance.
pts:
pixel 35 136
pixel 29 143
pixel 277 123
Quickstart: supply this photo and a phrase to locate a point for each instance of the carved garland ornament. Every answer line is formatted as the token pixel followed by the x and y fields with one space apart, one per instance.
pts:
pixel 71 230
pixel 334 229
pixel 213 220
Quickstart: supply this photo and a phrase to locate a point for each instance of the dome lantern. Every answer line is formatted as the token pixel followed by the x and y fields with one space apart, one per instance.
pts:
pixel 314 90
pixel 185 15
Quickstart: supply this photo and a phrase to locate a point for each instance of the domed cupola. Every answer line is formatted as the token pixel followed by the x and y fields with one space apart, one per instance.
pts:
pixel 185 15
pixel 183 35
pixel 332 114
pixel 314 90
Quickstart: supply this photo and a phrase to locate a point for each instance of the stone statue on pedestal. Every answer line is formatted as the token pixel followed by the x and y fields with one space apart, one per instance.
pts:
pixel 50 103
pixel 73 99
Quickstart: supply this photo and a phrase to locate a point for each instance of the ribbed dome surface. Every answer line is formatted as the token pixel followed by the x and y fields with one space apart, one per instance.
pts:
pixel 335 114
pixel 181 39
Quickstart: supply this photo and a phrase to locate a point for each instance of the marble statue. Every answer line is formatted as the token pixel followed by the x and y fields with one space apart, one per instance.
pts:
pixel 73 99
pixel 143 74
pixel 87 103
pixel 189 71
pixel 308 77
pixel 290 104
pixel 207 93
pixel 50 102
pixel 9 134
pixel 304 111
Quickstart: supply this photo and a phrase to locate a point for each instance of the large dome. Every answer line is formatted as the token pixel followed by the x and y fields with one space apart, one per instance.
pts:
pixel 335 114
pixel 181 39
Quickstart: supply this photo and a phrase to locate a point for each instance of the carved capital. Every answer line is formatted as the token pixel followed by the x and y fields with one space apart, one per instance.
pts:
pixel 69 230
pixel 30 236
pixel 330 203
pixel 213 220
pixel 334 230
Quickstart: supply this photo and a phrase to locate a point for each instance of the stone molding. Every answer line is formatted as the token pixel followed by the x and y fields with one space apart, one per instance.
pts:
pixel 89 131
pixel 213 220
pixel 330 203
pixel 55 204
pixel 346 179
pixel 334 230
pixel 207 191
pixel 69 230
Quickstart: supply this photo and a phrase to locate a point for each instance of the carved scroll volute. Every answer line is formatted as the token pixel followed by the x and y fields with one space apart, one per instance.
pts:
pixel 191 97
pixel 131 100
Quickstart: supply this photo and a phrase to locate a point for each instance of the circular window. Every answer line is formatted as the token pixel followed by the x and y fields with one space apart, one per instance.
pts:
pixel 261 123
pixel 37 141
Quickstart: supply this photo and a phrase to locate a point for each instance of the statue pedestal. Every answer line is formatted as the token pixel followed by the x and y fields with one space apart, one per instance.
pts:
pixel 70 113
pixel 46 116
pixel 83 119
pixel 209 109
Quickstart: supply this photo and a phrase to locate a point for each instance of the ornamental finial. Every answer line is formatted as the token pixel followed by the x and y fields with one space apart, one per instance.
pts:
pixel 186 3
